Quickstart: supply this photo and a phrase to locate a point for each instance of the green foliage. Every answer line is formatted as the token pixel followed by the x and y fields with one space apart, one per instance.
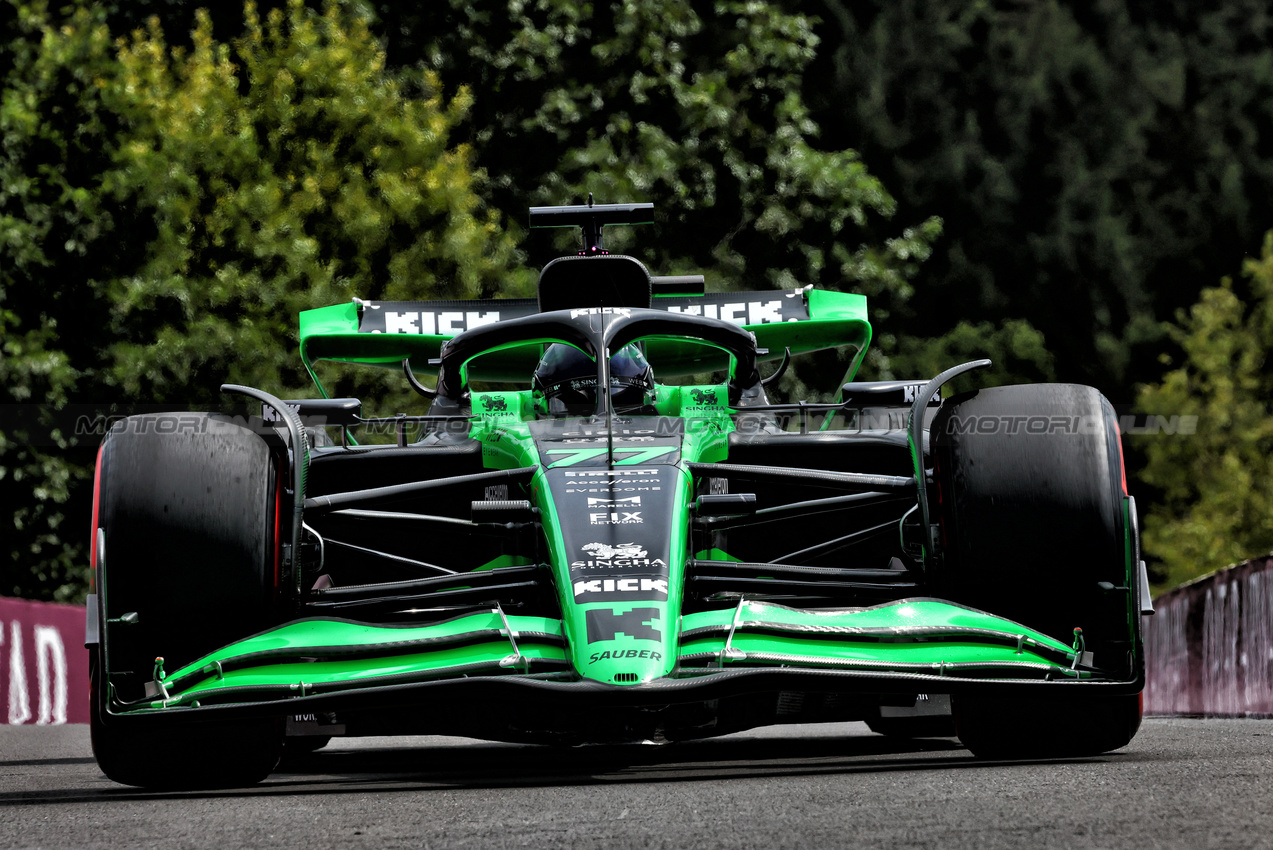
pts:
pixel 695 107
pixel 1016 350
pixel 165 213
pixel 1216 504
pixel 1094 164
pixel 302 176
pixel 55 141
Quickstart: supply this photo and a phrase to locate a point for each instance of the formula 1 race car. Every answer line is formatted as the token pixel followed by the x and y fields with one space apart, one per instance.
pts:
pixel 603 530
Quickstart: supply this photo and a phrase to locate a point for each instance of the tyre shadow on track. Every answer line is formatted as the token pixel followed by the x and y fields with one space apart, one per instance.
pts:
pixel 458 763
pixel 482 765
pixel 515 764
pixel 44 762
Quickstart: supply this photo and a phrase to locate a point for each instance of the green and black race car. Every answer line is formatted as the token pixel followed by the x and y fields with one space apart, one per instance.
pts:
pixel 631 543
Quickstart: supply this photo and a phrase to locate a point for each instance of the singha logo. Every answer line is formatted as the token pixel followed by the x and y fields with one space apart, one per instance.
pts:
pixel 496 405
pixel 622 550
pixel 704 397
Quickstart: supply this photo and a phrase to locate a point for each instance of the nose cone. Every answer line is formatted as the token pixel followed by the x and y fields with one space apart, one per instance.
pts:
pixel 617 542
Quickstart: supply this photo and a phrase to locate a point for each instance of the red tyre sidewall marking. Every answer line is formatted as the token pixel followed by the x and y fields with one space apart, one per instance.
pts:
pixel 1122 467
pixel 92 540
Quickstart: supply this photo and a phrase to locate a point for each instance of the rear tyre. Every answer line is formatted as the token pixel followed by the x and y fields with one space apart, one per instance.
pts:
pixel 1032 506
pixel 188 507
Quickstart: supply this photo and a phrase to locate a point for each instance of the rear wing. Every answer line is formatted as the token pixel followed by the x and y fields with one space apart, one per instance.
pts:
pixel 384 333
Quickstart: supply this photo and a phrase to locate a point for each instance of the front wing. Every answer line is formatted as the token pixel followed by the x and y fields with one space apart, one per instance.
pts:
pixel 909 646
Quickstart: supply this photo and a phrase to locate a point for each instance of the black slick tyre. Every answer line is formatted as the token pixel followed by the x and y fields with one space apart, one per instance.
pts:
pixel 1032 504
pixel 997 728
pixel 187 507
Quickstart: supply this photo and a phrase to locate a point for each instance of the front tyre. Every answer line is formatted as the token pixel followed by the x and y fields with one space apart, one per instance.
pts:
pixel 215 754
pixel 995 728
pixel 187 508
pixel 1033 506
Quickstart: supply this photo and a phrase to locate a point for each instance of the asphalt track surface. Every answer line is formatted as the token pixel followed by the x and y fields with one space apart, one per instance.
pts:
pixel 1181 783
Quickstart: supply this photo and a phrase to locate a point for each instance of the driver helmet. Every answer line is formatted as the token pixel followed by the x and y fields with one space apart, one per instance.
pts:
pixel 567 379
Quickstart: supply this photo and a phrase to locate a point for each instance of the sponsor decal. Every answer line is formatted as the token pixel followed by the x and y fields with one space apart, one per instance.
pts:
pixel 620 563
pixel 432 323
pixel 638 624
pixel 598 433
pixel 631 584
pixel 910 392
pixel 615 518
pixel 628 502
pixel 621 556
pixel 269 414
pixel 622 457
pixel 620 550
pixel 744 312
pixel 616 439
pixel 609 473
pixel 592 484
pixel 496 405
pixel 445 320
pixel 495 493
pixel 706 398
pixel 600 311
pixel 625 653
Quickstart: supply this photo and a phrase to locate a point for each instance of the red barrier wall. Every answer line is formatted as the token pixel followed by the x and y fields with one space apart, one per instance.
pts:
pixel 43 664
pixel 1209 645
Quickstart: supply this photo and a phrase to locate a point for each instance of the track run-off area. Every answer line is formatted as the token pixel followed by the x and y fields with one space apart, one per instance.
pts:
pixel 1182 782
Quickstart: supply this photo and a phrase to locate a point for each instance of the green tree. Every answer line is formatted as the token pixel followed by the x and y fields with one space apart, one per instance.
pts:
pixel 57 227
pixel 1092 162
pixel 300 176
pixel 165 213
pixel 1017 352
pixel 695 107
pixel 1216 504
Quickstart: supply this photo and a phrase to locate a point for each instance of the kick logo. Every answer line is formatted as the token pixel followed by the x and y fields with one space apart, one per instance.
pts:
pixel 622 585
pixel 600 311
